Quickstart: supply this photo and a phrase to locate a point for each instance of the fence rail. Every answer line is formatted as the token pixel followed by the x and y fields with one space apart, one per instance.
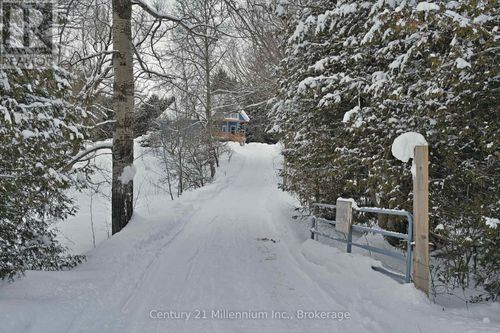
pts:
pixel 408 237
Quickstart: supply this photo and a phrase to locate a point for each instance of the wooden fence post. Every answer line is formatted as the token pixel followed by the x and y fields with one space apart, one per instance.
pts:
pixel 343 220
pixel 314 228
pixel 421 219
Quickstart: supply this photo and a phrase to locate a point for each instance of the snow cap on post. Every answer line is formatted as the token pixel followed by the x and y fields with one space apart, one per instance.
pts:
pixel 403 147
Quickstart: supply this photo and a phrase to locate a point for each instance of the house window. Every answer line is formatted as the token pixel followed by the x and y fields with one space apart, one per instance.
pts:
pixel 234 116
pixel 224 128
pixel 233 129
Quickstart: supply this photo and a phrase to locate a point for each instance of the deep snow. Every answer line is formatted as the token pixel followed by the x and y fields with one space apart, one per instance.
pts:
pixel 231 245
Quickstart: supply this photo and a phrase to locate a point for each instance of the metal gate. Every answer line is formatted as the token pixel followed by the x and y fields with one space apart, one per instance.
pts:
pixel 408 237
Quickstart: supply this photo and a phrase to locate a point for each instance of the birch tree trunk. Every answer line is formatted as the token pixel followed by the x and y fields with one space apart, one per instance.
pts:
pixel 208 107
pixel 123 106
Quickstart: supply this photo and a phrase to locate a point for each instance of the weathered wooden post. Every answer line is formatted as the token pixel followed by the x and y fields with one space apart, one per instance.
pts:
pixel 421 218
pixel 314 227
pixel 343 219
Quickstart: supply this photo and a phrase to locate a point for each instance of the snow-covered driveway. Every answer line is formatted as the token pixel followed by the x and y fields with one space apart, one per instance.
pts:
pixel 229 249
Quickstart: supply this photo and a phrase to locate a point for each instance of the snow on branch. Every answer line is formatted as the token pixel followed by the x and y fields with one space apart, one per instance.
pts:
pixel 82 154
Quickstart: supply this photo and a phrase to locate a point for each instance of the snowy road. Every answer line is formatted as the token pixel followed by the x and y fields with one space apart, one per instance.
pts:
pixel 231 246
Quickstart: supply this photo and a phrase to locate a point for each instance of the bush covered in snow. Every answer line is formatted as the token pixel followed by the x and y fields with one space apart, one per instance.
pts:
pixel 39 130
pixel 359 73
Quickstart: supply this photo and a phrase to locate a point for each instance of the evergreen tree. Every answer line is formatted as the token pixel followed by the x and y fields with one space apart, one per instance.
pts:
pixel 357 74
pixel 147 112
pixel 38 132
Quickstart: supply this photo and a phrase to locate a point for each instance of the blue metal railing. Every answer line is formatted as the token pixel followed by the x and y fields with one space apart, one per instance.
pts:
pixel 408 237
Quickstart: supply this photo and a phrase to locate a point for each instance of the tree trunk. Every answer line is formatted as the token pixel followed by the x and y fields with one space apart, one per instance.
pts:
pixel 123 106
pixel 208 109
pixel 181 173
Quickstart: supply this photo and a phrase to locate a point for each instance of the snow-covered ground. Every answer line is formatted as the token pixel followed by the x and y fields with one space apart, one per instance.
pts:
pixel 228 249
pixel 93 220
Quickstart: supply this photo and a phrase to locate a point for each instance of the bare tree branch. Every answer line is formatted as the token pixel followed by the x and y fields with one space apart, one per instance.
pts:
pixel 166 17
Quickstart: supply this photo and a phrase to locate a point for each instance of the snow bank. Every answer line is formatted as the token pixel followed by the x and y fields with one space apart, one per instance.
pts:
pixel 196 254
